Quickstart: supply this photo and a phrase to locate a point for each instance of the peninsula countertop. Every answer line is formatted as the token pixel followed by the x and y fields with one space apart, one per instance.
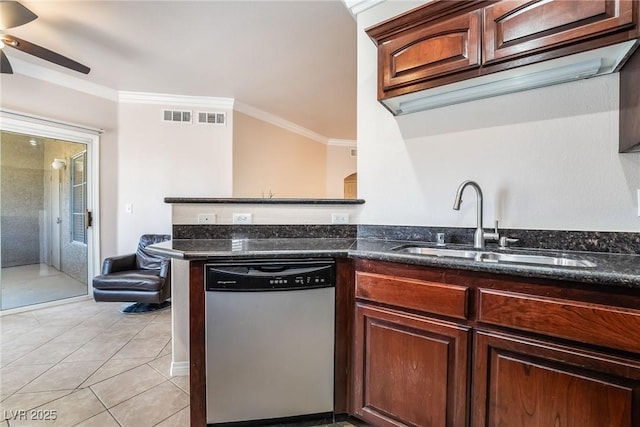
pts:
pixel 621 270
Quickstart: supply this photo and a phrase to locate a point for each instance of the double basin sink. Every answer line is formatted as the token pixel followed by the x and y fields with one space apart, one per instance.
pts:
pixel 497 257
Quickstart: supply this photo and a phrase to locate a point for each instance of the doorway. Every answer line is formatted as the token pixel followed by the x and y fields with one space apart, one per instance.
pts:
pixel 47 240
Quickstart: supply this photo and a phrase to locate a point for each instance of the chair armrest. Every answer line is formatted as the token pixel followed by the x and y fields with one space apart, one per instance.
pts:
pixel 119 263
pixel 165 268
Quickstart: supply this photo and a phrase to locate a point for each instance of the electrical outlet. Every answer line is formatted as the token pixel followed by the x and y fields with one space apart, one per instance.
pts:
pixel 242 218
pixel 207 218
pixel 340 218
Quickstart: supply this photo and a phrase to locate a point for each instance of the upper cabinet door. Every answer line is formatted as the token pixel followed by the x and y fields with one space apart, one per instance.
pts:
pixel 425 53
pixel 521 27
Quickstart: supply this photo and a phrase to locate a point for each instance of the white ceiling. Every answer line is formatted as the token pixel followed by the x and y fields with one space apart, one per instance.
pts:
pixel 293 59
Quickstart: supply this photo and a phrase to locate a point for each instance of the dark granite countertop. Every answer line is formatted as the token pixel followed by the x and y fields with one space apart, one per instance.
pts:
pixel 611 269
pixel 192 249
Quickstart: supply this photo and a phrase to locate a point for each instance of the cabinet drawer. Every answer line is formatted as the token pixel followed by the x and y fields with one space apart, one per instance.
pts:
pixel 514 28
pixel 590 323
pixel 425 53
pixel 430 297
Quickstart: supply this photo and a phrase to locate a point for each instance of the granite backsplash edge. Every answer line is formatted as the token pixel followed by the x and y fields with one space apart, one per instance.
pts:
pixel 589 241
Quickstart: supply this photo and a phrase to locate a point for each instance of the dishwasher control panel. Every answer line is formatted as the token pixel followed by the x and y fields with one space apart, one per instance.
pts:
pixel 262 275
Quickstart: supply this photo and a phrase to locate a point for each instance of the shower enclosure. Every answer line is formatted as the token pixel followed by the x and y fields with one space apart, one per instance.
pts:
pixel 43 205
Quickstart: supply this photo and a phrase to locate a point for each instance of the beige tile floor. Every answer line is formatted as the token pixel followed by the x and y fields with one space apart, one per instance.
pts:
pixel 87 364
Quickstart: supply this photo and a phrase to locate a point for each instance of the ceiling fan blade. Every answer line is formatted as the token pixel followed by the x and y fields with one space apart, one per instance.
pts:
pixel 43 53
pixel 5 66
pixel 13 14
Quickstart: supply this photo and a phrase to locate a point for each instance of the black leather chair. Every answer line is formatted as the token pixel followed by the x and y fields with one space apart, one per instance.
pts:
pixel 142 278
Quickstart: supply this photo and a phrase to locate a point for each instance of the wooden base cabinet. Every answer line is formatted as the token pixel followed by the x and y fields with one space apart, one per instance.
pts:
pixel 409 370
pixel 527 383
pixel 435 347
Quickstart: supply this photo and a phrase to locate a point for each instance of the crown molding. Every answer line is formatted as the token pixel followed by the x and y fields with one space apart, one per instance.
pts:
pixel 280 122
pixel 55 77
pixel 175 100
pixel 343 143
pixel 359 6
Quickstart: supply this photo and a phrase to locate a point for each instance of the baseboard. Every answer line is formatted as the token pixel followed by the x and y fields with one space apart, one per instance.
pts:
pixel 179 369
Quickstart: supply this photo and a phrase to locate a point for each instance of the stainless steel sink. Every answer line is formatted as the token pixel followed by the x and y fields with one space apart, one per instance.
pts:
pixel 561 261
pixel 420 250
pixel 498 257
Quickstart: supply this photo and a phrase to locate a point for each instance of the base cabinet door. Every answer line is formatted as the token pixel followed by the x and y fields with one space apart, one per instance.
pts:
pixel 409 370
pixel 527 383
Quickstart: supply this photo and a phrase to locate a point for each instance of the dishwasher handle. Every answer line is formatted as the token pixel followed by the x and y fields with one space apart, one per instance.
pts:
pixel 271 268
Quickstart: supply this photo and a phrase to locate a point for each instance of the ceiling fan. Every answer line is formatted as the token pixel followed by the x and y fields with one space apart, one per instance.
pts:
pixel 13 14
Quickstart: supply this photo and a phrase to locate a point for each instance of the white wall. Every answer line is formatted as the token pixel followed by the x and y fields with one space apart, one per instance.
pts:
pixel 159 159
pixel 545 158
pixel 186 213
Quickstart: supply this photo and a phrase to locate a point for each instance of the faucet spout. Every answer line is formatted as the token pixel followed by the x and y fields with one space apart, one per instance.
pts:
pixel 479 235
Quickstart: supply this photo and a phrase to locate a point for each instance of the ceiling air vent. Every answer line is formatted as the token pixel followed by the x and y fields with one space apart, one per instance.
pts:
pixel 176 116
pixel 212 118
pixel 354 152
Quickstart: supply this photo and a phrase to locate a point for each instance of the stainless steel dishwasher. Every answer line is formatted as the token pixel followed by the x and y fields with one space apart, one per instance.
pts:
pixel 270 340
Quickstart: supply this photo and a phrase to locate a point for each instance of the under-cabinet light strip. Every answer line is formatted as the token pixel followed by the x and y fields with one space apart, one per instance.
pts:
pixel 563 74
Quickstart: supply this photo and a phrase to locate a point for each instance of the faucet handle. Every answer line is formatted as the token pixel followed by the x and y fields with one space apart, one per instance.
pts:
pixel 495 235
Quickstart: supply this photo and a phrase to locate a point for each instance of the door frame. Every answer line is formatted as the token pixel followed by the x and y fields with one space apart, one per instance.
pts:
pixel 54 246
pixel 18 122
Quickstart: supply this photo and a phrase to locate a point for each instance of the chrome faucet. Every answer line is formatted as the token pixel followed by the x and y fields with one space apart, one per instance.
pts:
pixel 480 235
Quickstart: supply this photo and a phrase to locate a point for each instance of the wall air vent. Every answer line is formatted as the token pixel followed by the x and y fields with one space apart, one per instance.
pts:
pixel 212 118
pixel 354 152
pixel 176 116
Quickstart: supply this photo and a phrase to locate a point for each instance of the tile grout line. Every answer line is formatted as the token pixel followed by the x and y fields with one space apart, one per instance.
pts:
pixel 40 321
pixel 55 363
pixel 161 421
pixel 156 357
pixel 105 407
pixel 142 392
pixel 112 358
pixel 40 324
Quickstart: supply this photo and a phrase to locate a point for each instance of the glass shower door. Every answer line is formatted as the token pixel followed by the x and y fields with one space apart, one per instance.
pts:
pixel 43 254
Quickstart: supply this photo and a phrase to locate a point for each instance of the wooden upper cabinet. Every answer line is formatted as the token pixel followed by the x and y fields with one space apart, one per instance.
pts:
pixel 444 42
pixel 424 53
pixel 524 27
